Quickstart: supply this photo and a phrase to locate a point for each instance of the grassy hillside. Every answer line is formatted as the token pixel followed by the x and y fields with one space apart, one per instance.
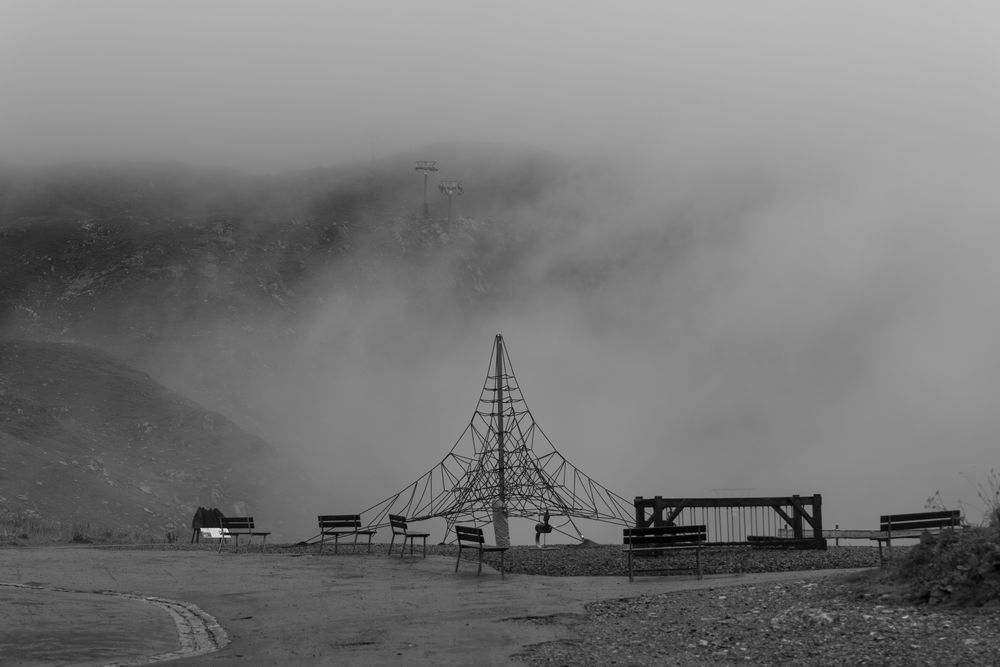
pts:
pixel 93 448
pixel 124 256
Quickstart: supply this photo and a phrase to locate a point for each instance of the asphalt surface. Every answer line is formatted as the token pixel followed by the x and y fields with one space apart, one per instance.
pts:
pixel 98 606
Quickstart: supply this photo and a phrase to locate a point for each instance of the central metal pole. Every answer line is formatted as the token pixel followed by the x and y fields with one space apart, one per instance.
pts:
pixel 426 166
pixel 499 407
pixel 450 187
pixel 426 210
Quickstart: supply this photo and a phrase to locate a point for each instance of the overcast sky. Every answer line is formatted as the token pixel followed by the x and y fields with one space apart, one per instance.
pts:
pixel 277 85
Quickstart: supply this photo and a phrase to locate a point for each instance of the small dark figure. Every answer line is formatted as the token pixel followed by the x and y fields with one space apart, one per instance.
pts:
pixel 205 518
pixel 542 527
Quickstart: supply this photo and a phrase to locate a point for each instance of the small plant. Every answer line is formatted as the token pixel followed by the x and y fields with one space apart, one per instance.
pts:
pixel 80 534
pixel 956 567
pixel 989 493
pixel 988 490
pixel 935 502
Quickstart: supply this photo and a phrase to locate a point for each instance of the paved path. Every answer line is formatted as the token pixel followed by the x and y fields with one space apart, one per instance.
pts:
pixel 283 608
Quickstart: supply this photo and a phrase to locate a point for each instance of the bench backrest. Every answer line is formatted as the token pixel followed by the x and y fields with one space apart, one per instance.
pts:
pixel 664 536
pixel 919 521
pixel 339 521
pixel 398 524
pixel 469 534
pixel 237 523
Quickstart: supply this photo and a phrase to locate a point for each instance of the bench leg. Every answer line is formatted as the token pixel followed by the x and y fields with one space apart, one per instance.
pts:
pixel 630 566
pixel 425 547
pixel 391 542
pixel 480 570
pixel 501 564
pixel 459 560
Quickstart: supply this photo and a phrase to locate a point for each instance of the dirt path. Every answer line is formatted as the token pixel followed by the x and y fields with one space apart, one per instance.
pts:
pixel 284 608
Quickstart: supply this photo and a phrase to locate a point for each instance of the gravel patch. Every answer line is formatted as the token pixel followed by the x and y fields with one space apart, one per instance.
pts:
pixel 834 620
pixel 816 622
pixel 608 560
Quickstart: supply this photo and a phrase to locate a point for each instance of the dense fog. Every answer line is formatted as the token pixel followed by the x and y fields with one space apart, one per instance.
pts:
pixel 766 262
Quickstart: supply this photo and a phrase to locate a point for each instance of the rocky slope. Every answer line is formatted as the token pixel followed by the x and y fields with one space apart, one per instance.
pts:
pixel 95 449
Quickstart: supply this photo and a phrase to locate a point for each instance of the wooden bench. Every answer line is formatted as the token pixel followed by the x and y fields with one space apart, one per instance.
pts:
pixel 653 541
pixel 234 526
pixel 342 525
pixel 912 526
pixel 769 542
pixel 472 538
pixel 400 529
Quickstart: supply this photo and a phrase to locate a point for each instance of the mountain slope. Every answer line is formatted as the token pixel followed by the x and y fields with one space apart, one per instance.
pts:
pixel 89 440
pixel 278 302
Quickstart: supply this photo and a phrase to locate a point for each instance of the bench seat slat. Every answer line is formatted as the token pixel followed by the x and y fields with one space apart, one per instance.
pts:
pixel 665 540
pixel 946 514
pixel 899 526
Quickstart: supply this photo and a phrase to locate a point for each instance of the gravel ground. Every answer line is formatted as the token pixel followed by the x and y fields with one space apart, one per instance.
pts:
pixel 820 622
pixel 598 560
pixel 836 620
pixel 610 560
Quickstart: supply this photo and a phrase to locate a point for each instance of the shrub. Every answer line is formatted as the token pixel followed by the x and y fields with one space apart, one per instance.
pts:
pixel 959 567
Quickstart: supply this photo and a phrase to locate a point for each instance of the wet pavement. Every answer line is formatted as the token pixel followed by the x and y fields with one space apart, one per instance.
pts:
pixel 83 606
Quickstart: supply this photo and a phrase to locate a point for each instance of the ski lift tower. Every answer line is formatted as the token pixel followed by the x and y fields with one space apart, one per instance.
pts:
pixel 426 166
pixel 450 187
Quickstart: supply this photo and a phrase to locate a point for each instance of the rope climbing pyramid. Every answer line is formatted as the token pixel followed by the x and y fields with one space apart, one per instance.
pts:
pixel 503 466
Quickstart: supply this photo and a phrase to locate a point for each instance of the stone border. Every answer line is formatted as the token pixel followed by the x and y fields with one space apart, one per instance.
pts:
pixel 197 631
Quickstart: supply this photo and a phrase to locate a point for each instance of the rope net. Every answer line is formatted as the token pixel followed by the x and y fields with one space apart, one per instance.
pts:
pixel 502 461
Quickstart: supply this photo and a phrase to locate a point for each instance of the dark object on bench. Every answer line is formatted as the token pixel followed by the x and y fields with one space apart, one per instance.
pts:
pixel 652 541
pixel 340 525
pixel 472 538
pixel 205 518
pixel 912 526
pixel 399 528
pixel 234 526
pixel 769 542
